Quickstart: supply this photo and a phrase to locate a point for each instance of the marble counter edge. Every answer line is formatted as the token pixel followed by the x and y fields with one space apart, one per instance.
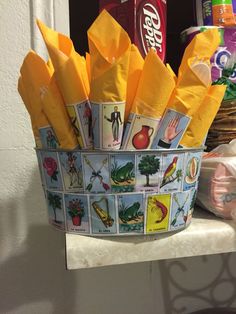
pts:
pixel 206 235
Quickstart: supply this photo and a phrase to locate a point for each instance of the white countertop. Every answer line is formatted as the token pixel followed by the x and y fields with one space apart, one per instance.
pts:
pixel 206 235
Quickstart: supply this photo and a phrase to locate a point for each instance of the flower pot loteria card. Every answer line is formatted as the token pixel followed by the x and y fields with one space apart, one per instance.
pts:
pixel 77 216
pixel 51 170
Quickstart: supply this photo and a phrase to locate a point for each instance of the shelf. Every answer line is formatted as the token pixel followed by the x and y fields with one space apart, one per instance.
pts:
pixel 205 235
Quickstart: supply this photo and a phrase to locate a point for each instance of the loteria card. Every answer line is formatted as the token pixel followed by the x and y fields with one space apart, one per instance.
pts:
pixel 112 125
pixel 171 172
pixel 171 130
pixel 38 154
pixel 131 213
pixel 51 170
pixel 103 214
pixel 55 209
pixel 84 115
pixel 179 210
pixel 77 217
pixel 158 211
pixel 71 109
pixel 122 173
pixel 96 173
pixel 192 170
pixel 192 199
pixel 48 138
pixel 140 133
pixel 71 168
pixel 148 172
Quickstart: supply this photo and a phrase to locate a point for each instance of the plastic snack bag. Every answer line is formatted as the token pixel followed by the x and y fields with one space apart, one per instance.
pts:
pixel 217 183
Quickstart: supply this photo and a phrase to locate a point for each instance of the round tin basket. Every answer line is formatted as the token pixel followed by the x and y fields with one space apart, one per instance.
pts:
pixel 120 192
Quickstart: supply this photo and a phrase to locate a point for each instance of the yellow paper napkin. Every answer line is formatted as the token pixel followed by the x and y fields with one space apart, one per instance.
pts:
pixel 154 90
pixel 34 75
pixel 202 47
pixel 109 48
pixel 135 69
pixel 190 88
pixel 203 118
pixel 23 93
pixel 72 79
pixel 54 107
pixel 155 87
pixel 50 113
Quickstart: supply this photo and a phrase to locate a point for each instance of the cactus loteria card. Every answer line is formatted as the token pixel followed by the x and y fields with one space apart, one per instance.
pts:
pixel 131 213
pixel 158 211
pixel 122 173
pixel 103 214
pixel 77 217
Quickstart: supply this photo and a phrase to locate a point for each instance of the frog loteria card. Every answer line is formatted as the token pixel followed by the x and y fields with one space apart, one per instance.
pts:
pixel 158 212
pixel 131 213
pixel 122 173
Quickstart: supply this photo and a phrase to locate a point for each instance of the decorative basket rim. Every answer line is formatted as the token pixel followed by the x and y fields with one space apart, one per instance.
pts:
pixel 172 150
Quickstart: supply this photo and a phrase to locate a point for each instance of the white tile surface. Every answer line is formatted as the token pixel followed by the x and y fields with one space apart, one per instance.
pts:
pixel 205 235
